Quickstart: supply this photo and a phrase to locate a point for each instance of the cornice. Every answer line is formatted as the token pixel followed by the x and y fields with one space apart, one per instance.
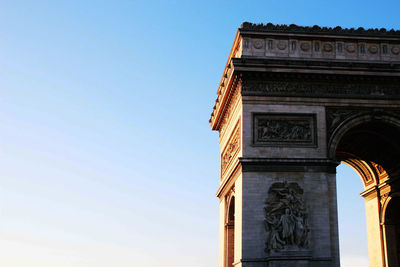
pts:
pixel 293 28
pixel 224 86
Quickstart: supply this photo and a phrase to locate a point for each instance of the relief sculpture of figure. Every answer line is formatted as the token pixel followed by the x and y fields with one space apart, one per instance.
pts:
pixel 286 218
pixel 274 242
pixel 287 222
pixel 301 233
pixel 279 129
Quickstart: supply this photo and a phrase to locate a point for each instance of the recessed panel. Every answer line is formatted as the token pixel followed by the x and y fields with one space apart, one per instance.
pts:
pixel 270 129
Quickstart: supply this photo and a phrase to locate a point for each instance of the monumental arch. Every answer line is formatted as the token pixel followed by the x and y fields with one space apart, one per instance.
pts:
pixel 293 103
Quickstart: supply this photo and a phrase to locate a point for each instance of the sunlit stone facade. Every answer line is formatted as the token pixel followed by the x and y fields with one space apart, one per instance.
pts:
pixel 292 103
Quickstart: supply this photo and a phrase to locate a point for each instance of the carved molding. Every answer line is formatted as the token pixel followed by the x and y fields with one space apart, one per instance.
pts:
pixel 231 149
pixel 284 129
pixel 363 168
pixel 383 199
pixel 286 219
pixel 381 172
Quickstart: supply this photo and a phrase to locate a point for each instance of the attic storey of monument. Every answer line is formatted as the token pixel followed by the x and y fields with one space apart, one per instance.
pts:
pixel 292 103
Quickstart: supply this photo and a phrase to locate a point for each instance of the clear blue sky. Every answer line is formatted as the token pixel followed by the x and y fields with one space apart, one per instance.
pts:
pixel 106 154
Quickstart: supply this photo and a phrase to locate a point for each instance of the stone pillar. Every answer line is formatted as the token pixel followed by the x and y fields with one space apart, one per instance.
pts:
pixel 392 251
pixel 238 221
pixel 321 220
pixel 374 230
pixel 222 232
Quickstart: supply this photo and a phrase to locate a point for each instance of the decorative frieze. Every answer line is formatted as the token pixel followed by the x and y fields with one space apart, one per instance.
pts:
pixel 231 149
pixel 229 110
pixel 271 129
pixel 286 219
pixel 311 48
pixel 319 89
pixel 315 44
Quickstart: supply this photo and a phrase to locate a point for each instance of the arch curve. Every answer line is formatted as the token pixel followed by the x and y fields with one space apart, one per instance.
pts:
pixel 230 228
pixel 369 143
pixel 365 170
pixel 230 207
pixel 385 201
pixel 355 121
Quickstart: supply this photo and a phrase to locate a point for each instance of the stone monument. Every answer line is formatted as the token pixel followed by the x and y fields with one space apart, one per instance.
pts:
pixel 294 102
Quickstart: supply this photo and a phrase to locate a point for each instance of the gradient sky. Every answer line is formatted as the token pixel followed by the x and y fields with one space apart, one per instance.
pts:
pixel 106 154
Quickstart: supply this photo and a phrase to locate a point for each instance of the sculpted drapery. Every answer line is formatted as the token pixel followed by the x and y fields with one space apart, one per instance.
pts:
pixel 286 218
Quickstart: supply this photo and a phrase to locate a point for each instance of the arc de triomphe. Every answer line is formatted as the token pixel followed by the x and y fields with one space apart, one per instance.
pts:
pixel 293 103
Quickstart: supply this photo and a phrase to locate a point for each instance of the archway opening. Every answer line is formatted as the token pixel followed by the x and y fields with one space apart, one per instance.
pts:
pixel 353 242
pixel 372 149
pixel 230 233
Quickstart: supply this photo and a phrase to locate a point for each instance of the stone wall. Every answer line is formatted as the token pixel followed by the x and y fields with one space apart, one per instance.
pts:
pixel 321 217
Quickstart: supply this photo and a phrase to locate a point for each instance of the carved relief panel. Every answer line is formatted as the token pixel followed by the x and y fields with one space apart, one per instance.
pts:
pixel 286 219
pixel 284 129
pixel 231 149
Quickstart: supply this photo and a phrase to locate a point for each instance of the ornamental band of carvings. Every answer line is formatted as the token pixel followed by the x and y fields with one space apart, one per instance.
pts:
pixel 274 88
pixel 228 114
pixel 286 219
pixel 231 150
pixel 284 129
